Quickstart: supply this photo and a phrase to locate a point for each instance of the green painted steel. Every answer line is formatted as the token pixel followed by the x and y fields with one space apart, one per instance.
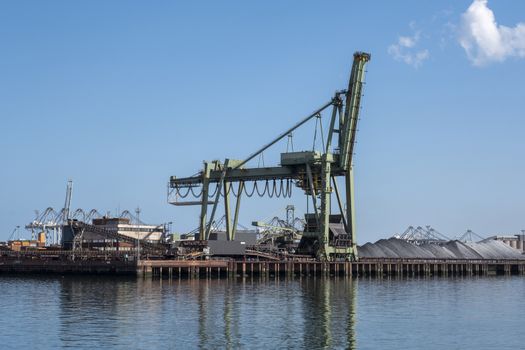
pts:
pixel 312 171
pixel 348 124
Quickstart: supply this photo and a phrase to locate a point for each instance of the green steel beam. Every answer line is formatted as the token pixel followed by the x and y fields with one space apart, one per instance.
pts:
pixel 255 174
pixel 325 194
pixel 312 191
pixel 348 125
pixel 284 134
pixel 350 210
pixel 204 205
pixel 227 211
pixel 340 203
pixel 237 207
pixel 217 198
pixel 337 102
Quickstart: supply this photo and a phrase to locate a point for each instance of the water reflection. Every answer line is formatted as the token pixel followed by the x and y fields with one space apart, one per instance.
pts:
pixel 95 311
pixel 119 313
pixel 330 313
pixel 208 314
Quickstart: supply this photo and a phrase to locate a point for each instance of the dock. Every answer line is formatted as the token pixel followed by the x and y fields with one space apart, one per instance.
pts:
pixel 215 267
pixel 362 268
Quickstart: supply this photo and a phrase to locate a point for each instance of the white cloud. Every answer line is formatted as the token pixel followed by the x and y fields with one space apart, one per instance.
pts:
pixel 406 41
pixel 404 50
pixel 484 40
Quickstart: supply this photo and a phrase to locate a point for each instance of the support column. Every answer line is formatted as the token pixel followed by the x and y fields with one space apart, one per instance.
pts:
pixel 204 200
pixel 350 209
pixel 339 203
pixel 217 197
pixel 326 192
pixel 237 206
pixel 227 212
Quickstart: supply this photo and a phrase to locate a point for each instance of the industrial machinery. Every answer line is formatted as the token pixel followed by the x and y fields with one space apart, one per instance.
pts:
pixel 51 222
pixel 326 236
pixel 469 236
pixel 422 235
pixel 66 228
pixel 281 234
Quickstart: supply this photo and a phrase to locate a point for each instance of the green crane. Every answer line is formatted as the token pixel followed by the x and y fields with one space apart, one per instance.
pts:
pixel 327 236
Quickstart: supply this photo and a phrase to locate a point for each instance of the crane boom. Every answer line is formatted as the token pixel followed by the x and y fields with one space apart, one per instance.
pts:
pixel 67 203
pixel 348 123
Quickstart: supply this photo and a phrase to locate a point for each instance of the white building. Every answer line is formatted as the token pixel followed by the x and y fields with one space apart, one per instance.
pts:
pixel 515 241
pixel 123 226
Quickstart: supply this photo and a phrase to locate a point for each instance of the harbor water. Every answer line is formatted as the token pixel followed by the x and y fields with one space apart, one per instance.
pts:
pixel 304 313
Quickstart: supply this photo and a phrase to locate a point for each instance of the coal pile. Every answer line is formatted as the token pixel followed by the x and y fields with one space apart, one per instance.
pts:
pixel 397 248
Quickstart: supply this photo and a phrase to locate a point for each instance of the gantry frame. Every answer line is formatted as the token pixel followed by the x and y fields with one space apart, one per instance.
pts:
pixel 315 172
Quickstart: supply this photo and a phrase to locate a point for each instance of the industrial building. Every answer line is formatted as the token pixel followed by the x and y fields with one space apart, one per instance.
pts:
pixel 112 233
pixel 515 241
pixel 123 226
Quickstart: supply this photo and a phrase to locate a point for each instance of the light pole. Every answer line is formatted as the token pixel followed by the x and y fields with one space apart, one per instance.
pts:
pixel 137 211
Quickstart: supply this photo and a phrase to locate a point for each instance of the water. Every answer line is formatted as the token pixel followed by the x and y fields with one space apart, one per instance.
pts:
pixel 336 313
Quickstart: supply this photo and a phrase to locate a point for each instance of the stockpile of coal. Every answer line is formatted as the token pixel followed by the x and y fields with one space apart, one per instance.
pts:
pixel 398 248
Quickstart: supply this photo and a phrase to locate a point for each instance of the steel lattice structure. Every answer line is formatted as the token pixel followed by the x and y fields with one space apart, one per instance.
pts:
pixel 420 235
pixel 326 236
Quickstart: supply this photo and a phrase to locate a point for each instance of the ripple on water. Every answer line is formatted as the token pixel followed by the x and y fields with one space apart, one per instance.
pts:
pixel 129 313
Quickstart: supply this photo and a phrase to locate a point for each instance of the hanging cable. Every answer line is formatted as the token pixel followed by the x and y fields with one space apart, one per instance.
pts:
pixel 271 193
pixel 253 190
pixel 179 194
pixel 214 192
pixel 266 188
pixel 273 188
pixel 195 195
pixel 233 191
pixel 264 191
pixel 280 192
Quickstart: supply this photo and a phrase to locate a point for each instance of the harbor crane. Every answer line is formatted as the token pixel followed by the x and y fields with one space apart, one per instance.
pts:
pixel 326 236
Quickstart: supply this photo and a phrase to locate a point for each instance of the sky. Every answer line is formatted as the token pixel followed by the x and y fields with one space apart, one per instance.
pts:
pixel 120 95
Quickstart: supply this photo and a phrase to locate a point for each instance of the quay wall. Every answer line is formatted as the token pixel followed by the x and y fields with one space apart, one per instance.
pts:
pixel 369 267
pixel 215 268
pixel 31 266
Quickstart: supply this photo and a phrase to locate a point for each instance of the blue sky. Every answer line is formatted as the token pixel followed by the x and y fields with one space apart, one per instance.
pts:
pixel 120 95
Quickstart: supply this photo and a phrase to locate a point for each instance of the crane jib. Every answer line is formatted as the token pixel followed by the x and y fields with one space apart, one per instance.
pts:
pixel 348 124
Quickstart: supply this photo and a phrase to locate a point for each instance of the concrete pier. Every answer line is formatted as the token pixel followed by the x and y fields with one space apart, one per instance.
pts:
pixel 219 268
pixel 376 267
